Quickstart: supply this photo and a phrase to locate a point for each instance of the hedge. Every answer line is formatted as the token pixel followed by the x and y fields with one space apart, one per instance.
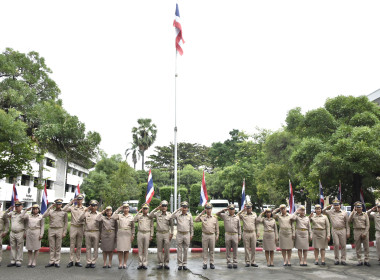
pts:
pixel 166 191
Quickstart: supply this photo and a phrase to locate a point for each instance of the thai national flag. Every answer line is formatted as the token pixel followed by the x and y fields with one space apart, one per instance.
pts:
pixel 76 192
pixel 14 195
pixel 44 202
pixel 178 29
pixel 321 198
pixel 243 196
pixel 204 196
pixel 292 207
pixel 150 188
pixel 340 192
pixel 362 199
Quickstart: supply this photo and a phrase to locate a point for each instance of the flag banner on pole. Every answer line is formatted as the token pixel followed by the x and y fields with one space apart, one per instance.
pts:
pixel 204 196
pixel 362 199
pixel 340 192
pixel 44 202
pixel 150 188
pixel 243 196
pixel 292 207
pixel 76 192
pixel 14 195
pixel 178 29
pixel 321 198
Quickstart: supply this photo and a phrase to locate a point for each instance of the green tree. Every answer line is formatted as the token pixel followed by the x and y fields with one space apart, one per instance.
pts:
pixel 135 154
pixel 144 136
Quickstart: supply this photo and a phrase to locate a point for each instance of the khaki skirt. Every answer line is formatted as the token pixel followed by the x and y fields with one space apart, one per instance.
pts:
pixel 319 239
pixel 32 239
pixel 124 240
pixel 269 241
pixel 286 239
pixel 302 240
pixel 108 240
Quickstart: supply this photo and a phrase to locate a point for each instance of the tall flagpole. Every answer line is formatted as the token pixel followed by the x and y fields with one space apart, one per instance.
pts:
pixel 175 133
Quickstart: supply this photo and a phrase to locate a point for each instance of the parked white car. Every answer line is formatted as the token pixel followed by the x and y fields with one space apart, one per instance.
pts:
pixel 218 204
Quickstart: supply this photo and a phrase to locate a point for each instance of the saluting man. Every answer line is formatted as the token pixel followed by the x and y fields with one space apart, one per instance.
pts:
pixel 250 233
pixel 144 234
pixel 210 234
pixel 4 228
pixel 185 233
pixel 376 217
pixel 232 233
pixel 57 231
pixel 360 222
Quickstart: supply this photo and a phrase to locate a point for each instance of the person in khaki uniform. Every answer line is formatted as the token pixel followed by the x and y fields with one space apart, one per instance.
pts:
pixel 164 233
pixel 185 233
pixel 19 223
pixel 210 234
pixel 57 231
pixel 144 235
pixel 76 229
pixel 92 232
pixel 107 235
pixel 34 234
pixel 4 228
pixel 321 233
pixel 303 234
pixel 232 233
pixel 287 233
pixel 360 222
pixel 376 217
pixel 340 230
pixel 250 233
pixel 270 237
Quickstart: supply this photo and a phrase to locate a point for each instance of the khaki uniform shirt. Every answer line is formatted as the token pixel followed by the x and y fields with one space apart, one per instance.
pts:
pixel 76 213
pixel 58 218
pixel 302 222
pixel 37 222
pixel 4 223
pixel 376 217
pixel 209 224
pixel 338 219
pixel 90 221
pixel 231 223
pixel 184 222
pixel 284 221
pixel 19 222
pixel 164 222
pixel 321 222
pixel 124 222
pixel 145 223
pixel 249 221
pixel 360 221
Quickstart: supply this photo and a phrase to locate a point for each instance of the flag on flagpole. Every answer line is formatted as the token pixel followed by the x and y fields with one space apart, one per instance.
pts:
pixel 340 192
pixel 362 199
pixel 243 196
pixel 321 198
pixel 292 207
pixel 44 202
pixel 150 188
pixel 204 196
pixel 76 192
pixel 178 29
pixel 14 195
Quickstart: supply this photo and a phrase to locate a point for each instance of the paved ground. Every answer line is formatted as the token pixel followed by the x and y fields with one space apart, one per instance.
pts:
pixel 330 271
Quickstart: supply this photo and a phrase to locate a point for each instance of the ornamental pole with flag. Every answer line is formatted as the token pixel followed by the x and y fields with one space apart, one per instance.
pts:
pixel 150 188
pixel 178 29
pixel 340 192
pixel 321 198
pixel 14 195
pixel 292 207
pixel 243 196
pixel 44 202
pixel 204 196
pixel 362 199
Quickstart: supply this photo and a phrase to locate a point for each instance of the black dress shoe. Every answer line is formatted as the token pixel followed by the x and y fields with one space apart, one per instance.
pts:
pixel 57 265
pixel 316 263
pixel 271 265
pixel 78 264
pixel 11 264
pixel 323 263
pixel 254 265
pixel 32 266
pixel 229 265
pixel 88 265
pixel 18 264
pixel 247 265
pixel 360 264
pixel 139 267
pixel 336 262
pixel 70 264
pixel 343 263
pixel 104 266
pixel 160 266
pixel 234 266
pixel 49 265
pixel 212 266
pixel 180 268
pixel 166 266
pixel 367 264
pixel 29 266
pixel 205 266
pixel 185 268
pixel 92 265
pixel 289 264
pixel 144 267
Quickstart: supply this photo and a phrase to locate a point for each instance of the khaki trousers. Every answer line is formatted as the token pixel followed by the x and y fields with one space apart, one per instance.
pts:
pixel 1 247
pixel 17 243
pixel 249 239
pixel 183 243
pixel 163 243
pixel 378 244
pixel 92 241
pixel 143 245
pixel 358 244
pixel 339 239
pixel 208 246
pixel 76 238
pixel 231 242
pixel 55 243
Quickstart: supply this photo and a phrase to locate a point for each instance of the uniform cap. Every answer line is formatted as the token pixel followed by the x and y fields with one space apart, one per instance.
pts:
pixel 58 201
pixel 125 204
pixel 93 202
pixel 317 206
pixel 108 208
pixel 268 210
pixel 336 202
pixel 231 207
pixel 36 206
pixel 282 206
pixel 248 205
pixel 79 197
pixel 358 204
pixel 184 204
pixel 378 204
pixel 145 205
pixel 18 203
pixel 164 203
pixel 208 205
pixel 301 207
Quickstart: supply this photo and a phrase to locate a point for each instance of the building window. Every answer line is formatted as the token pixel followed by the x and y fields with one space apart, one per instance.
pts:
pixel 25 180
pixel 69 170
pixel 50 162
pixel 80 174
pixel 11 180
pixel 68 188
pixel 75 172
pixel 49 184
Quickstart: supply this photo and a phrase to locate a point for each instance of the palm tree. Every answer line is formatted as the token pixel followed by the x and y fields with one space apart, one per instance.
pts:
pixel 144 136
pixel 134 152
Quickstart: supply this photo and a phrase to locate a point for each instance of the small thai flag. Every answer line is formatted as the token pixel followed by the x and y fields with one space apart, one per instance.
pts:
pixel 204 196
pixel 362 199
pixel 321 198
pixel 44 202
pixel 150 188
pixel 292 207
pixel 340 192
pixel 243 196
pixel 14 195
pixel 178 29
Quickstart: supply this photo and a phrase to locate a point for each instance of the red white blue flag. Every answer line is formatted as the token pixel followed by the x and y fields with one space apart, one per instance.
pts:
pixel 204 196
pixel 243 196
pixel 292 207
pixel 14 195
pixel 76 192
pixel 362 199
pixel 178 29
pixel 340 192
pixel 44 202
pixel 150 188
pixel 321 198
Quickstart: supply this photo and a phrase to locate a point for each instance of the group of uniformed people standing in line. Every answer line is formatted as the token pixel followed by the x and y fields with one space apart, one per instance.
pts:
pixel 117 230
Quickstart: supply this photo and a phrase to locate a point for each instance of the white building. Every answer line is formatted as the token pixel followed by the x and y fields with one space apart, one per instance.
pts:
pixel 54 173
pixel 375 97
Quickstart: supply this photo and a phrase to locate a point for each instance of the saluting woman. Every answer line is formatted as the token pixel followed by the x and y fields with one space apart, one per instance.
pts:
pixel 270 237
pixel 108 235
pixel 321 233
pixel 303 234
